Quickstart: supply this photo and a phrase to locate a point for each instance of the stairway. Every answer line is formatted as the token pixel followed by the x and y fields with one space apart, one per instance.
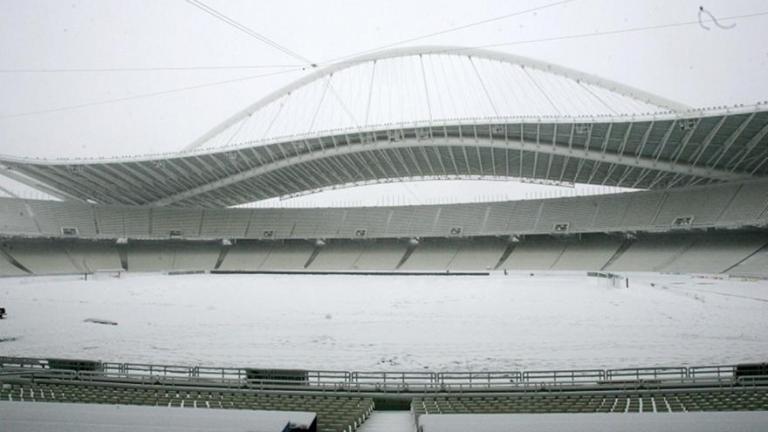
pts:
pixel 406 255
pixel 619 252
pixel 389 421
pixel 507 252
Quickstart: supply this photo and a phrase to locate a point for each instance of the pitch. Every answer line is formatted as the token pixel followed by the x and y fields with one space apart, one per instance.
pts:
pixel 405 323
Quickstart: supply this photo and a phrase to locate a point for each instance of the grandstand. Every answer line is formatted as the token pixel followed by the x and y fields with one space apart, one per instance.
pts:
pixel 637 231
pixel 699 204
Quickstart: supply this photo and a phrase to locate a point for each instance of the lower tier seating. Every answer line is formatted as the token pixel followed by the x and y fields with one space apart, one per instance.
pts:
pixel 737 399
pixel 334 413
pixel 737 253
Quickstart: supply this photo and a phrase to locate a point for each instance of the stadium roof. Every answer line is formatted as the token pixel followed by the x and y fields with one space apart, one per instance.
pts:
pixel 644 153
pixel 616 136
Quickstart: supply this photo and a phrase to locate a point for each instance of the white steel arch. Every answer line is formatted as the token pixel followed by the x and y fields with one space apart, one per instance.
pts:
pixel 649 100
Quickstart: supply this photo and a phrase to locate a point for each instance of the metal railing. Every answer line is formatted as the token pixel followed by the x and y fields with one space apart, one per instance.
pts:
pixel 649 373
pixel 379 380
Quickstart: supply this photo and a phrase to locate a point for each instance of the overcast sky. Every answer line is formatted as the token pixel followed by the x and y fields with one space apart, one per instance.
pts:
pixel 40 38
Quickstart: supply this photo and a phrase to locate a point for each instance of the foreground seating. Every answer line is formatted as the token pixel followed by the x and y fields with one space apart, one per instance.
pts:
pixel 746 399
pixel 335 413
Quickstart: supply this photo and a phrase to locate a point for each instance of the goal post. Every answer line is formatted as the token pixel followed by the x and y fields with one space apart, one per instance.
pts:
pixel 612 280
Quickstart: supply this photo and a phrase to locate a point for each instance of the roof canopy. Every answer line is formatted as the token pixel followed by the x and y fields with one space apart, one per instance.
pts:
pixel 428 113
pixel 648 153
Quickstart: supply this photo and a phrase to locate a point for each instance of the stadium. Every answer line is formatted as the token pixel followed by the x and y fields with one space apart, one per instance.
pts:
pixel 147 286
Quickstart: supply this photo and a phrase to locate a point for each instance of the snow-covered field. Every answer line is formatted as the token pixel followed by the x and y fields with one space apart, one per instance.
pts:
pixel 548 321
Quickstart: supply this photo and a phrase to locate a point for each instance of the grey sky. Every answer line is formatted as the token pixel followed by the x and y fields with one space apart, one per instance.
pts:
pixel 688 64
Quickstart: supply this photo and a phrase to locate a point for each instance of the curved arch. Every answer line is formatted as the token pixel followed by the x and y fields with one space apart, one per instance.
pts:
pixel 562 71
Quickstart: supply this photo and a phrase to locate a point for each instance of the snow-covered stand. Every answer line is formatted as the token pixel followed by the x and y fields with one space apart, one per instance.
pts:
pixel 700 229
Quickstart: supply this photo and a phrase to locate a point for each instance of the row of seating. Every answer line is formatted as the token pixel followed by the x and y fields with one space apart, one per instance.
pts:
pixel 723 205
pixel 666 401
pixel 334 413
pixel 739 253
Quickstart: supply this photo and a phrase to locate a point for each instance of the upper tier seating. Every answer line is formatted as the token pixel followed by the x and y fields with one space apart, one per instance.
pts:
pixel 723 205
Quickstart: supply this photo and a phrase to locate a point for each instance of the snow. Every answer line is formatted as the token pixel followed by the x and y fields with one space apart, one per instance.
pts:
pixel 86 417
pixel 598 422
pixel 437 323
pixel 389 421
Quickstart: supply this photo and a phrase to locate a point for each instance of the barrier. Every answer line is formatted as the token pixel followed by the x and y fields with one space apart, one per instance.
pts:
pixel 383 381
